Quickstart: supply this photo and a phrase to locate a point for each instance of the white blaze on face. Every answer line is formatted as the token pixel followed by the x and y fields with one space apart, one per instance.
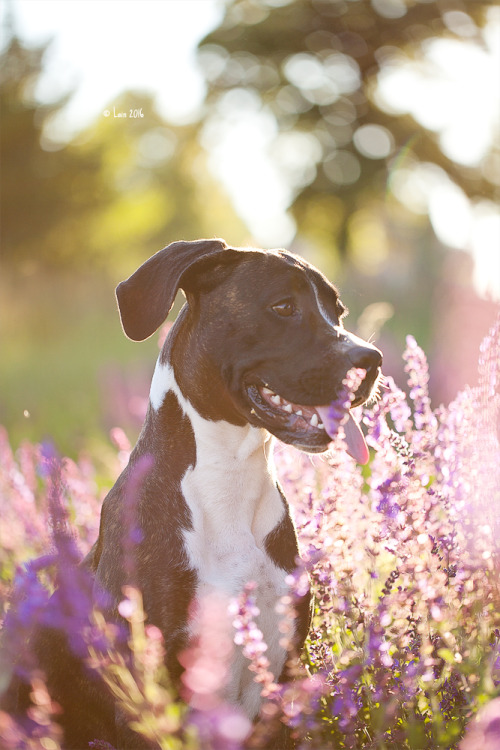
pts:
pixel 337 326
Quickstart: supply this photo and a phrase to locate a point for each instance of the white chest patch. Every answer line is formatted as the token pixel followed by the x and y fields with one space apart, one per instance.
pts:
pixel 232 494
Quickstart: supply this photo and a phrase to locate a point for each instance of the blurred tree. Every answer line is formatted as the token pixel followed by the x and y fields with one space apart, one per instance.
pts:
pixel 314 64
pixel 163 190
pixel 123 188
pixel 42 184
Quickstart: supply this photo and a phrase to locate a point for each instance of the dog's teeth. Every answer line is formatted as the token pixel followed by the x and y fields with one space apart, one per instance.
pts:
pixel 267 391
pixel 314 420
pixel 276 399
pixel 299 412
pixel 288 408
pixel 321 426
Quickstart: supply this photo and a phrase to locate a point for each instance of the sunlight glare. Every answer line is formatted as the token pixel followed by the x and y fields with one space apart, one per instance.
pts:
pixel 238 150
pixel 452 90
pixel 113 47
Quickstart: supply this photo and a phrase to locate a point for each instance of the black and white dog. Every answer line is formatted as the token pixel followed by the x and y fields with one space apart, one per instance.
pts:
pixel 258 346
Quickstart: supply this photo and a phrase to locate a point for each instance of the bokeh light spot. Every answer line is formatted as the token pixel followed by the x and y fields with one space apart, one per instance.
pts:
pixel 373 141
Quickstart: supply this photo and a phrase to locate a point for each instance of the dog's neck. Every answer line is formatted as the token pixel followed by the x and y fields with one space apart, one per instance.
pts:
pixel 234 465
pixel 222 441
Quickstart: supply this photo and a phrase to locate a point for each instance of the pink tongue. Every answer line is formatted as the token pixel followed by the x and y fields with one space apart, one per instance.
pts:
pixel 356 444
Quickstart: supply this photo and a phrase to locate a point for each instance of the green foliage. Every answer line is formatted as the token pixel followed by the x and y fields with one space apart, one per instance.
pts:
pixel 67 371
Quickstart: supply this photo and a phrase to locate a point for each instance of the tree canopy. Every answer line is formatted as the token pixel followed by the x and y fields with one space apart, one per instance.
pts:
pixel 314 64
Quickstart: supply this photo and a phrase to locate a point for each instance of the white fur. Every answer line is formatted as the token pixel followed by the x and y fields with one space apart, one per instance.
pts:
pixel 234 503
pixel 324 314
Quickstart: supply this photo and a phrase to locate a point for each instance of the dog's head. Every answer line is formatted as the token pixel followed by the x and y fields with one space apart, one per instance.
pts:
pixel 260 341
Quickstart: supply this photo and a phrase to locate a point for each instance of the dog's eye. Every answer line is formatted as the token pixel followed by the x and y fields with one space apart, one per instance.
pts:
pixel 286 308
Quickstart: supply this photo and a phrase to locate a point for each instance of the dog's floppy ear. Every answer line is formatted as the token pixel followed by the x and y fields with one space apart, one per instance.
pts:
pixel 146 297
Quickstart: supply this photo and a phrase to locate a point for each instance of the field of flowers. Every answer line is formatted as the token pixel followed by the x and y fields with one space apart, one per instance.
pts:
pixel 403 555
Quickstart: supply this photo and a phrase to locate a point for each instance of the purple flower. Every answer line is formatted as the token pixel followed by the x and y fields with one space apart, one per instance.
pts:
pixel 418 379
pixel 338 410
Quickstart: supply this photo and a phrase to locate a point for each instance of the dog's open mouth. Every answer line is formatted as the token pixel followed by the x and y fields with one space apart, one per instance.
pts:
pixel 310 424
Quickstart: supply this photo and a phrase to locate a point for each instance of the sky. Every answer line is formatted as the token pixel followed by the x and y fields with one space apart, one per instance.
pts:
pixel 102 47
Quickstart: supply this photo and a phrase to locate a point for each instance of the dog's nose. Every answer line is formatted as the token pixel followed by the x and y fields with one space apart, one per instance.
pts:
pixel 366 358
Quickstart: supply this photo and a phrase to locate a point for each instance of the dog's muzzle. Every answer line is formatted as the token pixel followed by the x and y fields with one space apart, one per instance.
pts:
pixel 303 425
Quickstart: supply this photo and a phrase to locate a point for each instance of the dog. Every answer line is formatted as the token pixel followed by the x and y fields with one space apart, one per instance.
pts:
pixel 258 345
